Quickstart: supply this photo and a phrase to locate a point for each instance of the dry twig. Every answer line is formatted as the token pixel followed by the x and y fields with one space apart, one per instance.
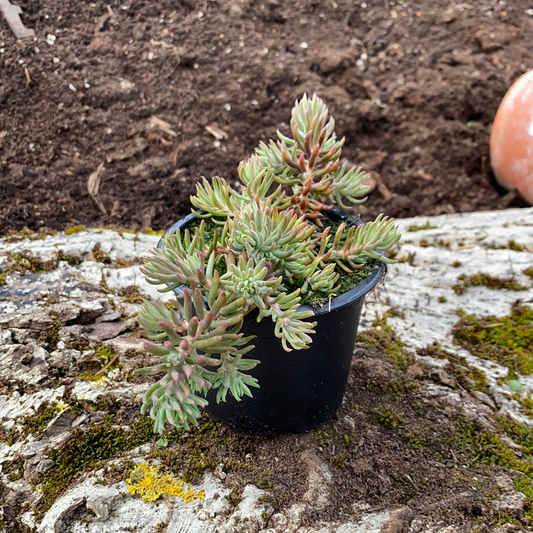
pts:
pixel 93 184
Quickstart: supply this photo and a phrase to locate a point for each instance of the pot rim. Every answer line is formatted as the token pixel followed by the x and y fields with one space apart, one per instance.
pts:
pixel 360 290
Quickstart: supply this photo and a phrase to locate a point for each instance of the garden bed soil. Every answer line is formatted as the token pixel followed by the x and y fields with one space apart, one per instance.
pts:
pixel 162 94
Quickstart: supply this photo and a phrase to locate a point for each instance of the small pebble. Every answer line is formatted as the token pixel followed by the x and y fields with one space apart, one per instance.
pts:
pixel 50 39
pixel 56 60
pixel 72 88
pixel 304 45
pixel 227 107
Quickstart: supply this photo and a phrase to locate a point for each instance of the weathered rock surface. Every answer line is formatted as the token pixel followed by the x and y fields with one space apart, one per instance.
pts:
pixel 59 328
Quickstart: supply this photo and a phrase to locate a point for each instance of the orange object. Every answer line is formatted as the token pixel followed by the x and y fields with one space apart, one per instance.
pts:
pixel 511 140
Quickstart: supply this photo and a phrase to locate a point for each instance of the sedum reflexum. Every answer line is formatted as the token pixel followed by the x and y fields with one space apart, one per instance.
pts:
pixel 271 245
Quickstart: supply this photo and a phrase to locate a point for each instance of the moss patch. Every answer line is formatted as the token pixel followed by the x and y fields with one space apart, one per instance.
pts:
pixel 507 340
pixel 36 423
pixel 51 336
pixel 469 377
pixel 74 229
pixel 104 354
pixel 24 262
pixel 188 455
pixel 427 225
pixel 26 233
pixel 486 280
pixel 86 450
pixel 206 446
pixel 384 337
pixel 488 448
pixel 131 294
pixel 99 255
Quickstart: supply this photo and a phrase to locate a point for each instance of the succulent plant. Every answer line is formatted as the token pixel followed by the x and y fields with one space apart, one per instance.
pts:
pixel 263 247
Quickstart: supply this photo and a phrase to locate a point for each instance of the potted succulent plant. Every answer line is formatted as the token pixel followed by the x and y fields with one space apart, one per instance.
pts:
pixel 273 261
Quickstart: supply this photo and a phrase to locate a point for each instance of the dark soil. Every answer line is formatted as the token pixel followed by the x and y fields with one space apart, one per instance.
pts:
pixel 414 87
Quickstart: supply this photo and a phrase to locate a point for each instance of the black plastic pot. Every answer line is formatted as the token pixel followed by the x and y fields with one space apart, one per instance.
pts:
pixel 302 388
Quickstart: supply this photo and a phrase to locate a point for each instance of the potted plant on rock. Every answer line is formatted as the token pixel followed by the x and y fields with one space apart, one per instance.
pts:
pixel 272 261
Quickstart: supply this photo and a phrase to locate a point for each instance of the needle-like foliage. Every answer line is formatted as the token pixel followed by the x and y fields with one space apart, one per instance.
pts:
pixel 270 247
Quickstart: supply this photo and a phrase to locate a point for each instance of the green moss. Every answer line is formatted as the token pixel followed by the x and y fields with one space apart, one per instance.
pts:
pixel 124 263
pixel 409 259
pixel 524 484
pixel 13 469
pixel 87 449
pixel 104 354
pixel 387 417
pixel 442 299
pixel 511 245
pixel 264 480
pixel 529 272
pixel 25 262
pixel 438 243
pixel 468 377
pixel 384 337
pixel 525 401
pixel 51 336
pixel 456 264
pixel 99 255
pixel 74 229
pixel 72 260
pixel 234 497
pixel 131 294
pixel 507 340
pixel 427 225
pixel 482 447
pixel 36 423
pixel 459 289
pixel 26 233
pixel 2 279
pixel 190 453
pixel 486 280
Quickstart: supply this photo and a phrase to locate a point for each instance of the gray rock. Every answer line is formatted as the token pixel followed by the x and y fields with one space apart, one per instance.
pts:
pixel 510 503
pixel 74 296
pixel 248 516
pixel 105 330
pixel 63 359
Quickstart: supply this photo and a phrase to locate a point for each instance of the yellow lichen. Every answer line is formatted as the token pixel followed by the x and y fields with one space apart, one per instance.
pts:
pixel 146 481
